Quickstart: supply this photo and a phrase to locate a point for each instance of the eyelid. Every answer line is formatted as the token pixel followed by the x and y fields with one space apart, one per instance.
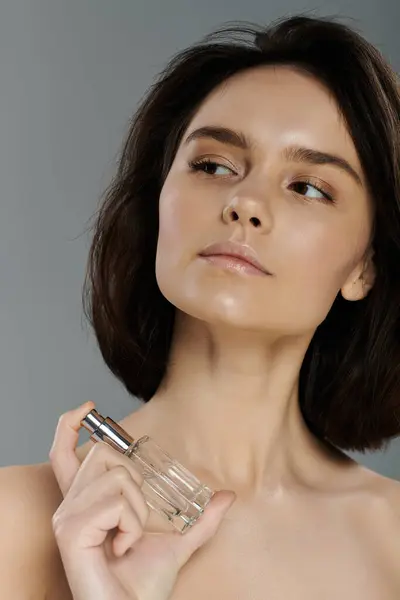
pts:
pixel 315 181
pixel 213 158
pixel 331 197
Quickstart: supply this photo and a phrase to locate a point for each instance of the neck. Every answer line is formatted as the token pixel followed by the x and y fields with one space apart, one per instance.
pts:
pixel 231 400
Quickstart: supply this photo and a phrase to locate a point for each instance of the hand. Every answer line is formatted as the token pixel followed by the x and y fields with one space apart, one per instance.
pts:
pixel 99 525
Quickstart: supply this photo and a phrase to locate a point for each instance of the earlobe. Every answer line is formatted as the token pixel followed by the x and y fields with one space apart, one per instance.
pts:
pixel 354 290
pixel 361 286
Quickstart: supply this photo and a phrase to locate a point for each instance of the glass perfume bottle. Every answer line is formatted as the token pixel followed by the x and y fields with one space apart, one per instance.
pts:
pixel 168 487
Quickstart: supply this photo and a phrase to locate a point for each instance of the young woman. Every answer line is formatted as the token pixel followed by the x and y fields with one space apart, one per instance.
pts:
pixel 244 283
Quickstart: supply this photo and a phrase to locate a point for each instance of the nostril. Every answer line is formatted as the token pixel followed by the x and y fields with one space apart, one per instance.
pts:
pixel 255 221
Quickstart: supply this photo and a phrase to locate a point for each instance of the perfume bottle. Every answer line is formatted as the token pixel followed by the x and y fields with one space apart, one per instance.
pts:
pixel 168 487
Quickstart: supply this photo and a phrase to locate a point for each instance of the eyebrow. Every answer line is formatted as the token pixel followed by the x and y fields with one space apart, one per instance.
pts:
pixel 291 153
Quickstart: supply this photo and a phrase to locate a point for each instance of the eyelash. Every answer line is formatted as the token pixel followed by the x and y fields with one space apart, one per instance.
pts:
pixel 196 165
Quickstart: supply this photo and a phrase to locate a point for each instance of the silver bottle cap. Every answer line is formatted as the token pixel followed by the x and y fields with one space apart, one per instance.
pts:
pixel 104 429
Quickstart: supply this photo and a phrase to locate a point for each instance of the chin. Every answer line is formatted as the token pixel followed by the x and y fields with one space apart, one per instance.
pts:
pixel 216 314
pixel 227 303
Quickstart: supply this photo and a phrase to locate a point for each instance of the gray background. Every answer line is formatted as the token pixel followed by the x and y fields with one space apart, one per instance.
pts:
pixel 71 73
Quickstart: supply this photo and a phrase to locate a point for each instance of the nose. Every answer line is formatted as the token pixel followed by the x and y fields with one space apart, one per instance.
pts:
pixel 249 212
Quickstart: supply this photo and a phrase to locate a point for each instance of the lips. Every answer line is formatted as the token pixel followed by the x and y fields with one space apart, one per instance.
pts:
pixel 243 252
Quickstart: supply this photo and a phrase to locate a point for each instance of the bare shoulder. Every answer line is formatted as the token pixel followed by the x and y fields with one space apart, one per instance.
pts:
pixel 381 523
pixel 387 492
pixel 392 491
pixel 30 564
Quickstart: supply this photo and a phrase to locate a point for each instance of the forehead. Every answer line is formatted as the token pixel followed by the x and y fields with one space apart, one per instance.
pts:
pixel 277 106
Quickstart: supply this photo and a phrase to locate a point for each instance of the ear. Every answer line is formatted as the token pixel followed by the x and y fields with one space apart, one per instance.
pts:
pixel 361 279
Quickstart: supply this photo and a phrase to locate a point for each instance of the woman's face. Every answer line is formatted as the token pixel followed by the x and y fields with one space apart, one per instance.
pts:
pixel 311 241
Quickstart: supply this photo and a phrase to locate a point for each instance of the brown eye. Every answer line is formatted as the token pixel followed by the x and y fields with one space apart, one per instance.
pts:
pixel 207 166
pixel 305 185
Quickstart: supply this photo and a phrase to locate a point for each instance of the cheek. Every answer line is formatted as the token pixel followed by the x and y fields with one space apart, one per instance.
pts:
pixel 172 218
pixel 179 229
pixel 176 212
pixel 185 218
pixel 323 255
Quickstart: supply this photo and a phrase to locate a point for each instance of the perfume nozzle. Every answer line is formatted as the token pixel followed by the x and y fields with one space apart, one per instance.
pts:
pixel 106 430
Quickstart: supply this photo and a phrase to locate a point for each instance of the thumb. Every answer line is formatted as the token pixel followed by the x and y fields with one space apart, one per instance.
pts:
pixel 204 528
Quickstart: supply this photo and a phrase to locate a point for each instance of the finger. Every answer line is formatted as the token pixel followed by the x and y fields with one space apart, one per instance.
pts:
pixel 100 459
pixel 111 483
pixel 62 455
pixel 89 529
pixel 205 527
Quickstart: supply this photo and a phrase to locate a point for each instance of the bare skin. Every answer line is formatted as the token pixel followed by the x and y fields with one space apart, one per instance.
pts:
pixel 335 539
pixel 308 522
pixel 303 525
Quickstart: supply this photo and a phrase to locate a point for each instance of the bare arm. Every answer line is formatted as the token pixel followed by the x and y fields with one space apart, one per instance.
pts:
pixel 30 566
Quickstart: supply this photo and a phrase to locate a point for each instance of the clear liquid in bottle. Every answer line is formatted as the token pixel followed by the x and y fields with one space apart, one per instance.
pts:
pixel 169 488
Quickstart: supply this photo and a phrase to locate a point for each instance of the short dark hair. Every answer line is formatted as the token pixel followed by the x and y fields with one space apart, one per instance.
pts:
pixel 349 386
